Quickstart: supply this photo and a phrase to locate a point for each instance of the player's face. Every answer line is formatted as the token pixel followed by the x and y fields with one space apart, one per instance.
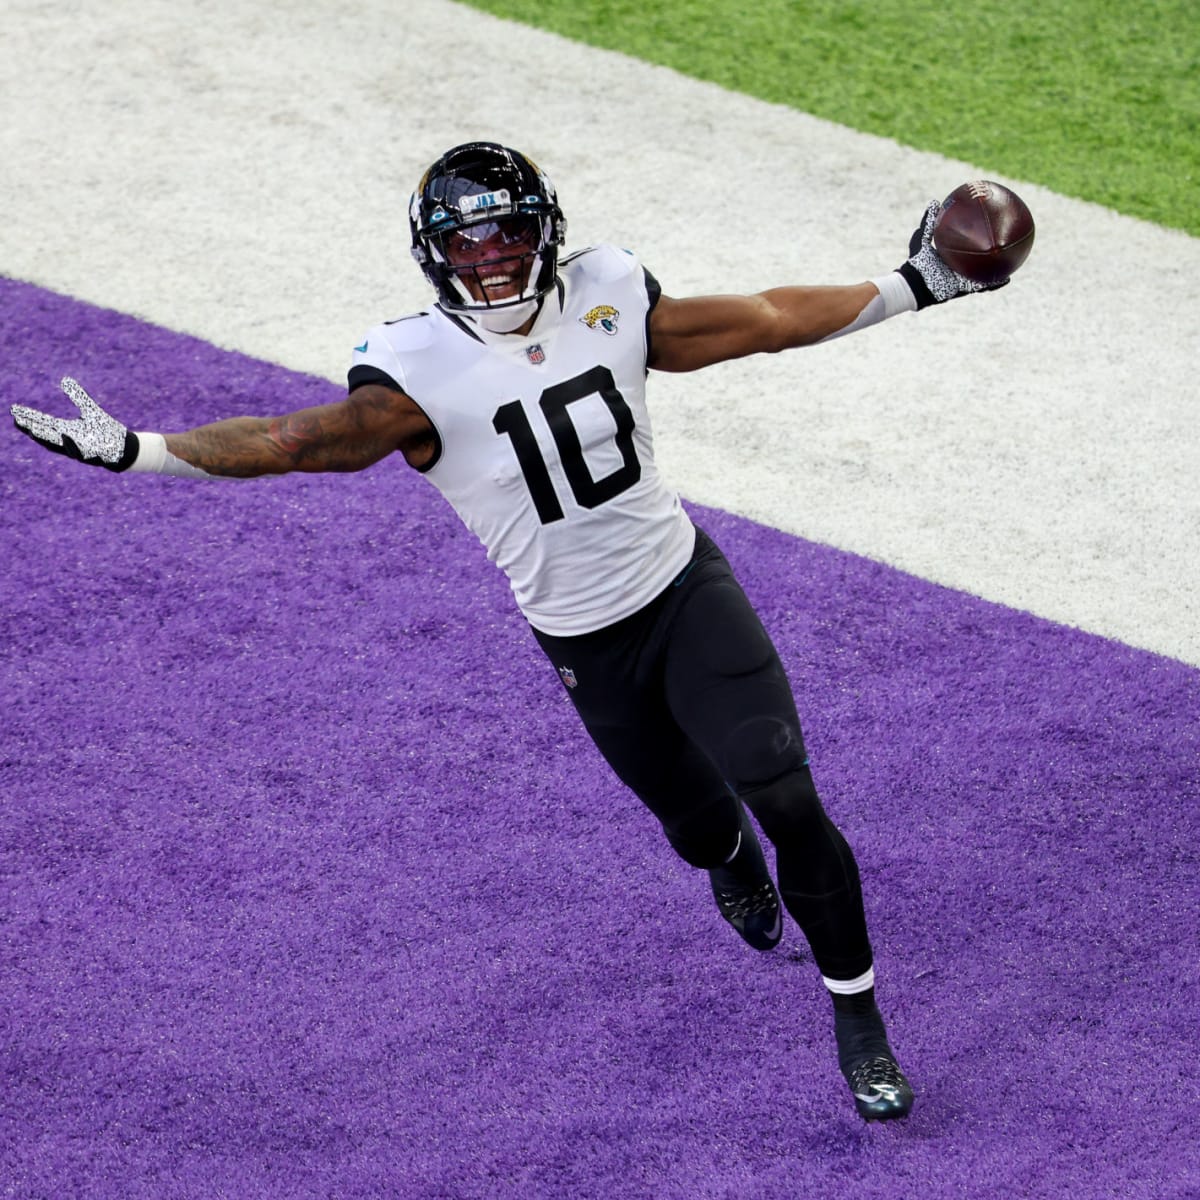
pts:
pixel 493 259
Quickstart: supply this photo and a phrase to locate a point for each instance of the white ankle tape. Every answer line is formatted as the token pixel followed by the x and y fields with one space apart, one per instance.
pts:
pixel 850 987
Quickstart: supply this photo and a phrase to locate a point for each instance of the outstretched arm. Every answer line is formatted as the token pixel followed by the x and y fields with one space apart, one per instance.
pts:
pixel 372 422
pixel 686 335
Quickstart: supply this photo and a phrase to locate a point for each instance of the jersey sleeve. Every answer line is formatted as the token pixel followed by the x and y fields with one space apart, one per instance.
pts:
pixel 364 373
pixel 378 359
pixel 653 293
pixel 653 290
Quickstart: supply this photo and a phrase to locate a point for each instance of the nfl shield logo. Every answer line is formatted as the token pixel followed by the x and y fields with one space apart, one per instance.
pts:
pixel 535 354
pixel 568 676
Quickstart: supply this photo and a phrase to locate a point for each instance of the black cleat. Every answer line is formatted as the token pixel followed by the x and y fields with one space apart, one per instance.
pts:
pixel 881 1091
pixel 745 895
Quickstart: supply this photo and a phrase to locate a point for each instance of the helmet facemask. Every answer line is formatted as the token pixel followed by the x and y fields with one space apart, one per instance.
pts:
pixel 484 219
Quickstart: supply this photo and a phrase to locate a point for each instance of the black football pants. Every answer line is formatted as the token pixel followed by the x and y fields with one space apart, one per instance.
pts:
pixel 690 705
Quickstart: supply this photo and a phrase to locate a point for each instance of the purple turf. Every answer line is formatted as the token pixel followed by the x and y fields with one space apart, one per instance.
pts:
pixel 312 887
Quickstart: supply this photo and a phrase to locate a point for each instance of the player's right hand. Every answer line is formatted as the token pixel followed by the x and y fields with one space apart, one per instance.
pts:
pixel 94 437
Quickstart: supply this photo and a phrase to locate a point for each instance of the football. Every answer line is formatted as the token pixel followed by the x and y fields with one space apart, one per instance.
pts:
pixel 984 231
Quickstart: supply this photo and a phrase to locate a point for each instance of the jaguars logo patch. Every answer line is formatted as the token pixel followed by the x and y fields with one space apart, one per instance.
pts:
pixel 603 316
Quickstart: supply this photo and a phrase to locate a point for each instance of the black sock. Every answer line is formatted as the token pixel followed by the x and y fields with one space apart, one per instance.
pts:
pixel 858 1029
pixel 859 1004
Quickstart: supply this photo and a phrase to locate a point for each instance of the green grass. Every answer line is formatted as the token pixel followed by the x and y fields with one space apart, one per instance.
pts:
pixel 1099 99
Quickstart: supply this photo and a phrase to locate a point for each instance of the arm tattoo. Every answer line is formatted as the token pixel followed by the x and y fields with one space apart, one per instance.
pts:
pixel 337 437
pixel 296 433
pixel 331 439
pixel 231 447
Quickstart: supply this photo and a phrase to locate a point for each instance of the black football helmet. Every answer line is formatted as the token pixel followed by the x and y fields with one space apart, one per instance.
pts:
pixel 483 194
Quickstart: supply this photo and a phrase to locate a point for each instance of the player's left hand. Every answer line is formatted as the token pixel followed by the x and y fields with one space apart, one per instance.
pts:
pixel 94 437
pixel 931 280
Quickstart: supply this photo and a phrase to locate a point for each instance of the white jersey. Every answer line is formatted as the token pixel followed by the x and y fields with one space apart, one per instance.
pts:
pixel 544 445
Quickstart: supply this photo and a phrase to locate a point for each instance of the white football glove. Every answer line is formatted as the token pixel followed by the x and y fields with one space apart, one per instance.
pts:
pixel 931 280
pixel 94 438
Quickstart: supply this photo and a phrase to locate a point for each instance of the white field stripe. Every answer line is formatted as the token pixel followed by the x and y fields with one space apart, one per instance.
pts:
pixel 241 173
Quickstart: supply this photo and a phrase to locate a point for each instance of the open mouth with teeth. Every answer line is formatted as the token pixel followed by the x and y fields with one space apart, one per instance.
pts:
pixel 498 282
pixel 492 282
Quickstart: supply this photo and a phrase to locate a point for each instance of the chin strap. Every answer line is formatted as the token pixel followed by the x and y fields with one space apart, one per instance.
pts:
pixel 507 319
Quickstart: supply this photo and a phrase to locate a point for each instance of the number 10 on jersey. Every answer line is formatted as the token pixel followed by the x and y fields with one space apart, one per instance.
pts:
pixel 512 421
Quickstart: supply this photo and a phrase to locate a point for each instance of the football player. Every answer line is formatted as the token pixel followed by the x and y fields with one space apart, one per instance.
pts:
pixel 520 395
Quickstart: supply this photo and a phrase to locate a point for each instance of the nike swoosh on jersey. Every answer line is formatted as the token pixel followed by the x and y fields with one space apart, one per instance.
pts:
pixel 360 349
